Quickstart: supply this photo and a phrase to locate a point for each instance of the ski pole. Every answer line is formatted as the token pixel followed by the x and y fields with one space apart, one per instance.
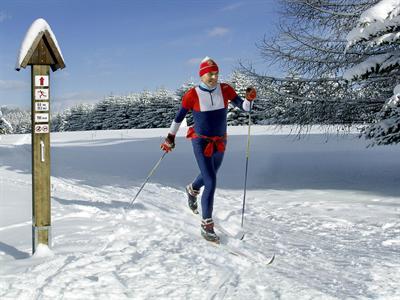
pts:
pixel 245 174
pixel 147 179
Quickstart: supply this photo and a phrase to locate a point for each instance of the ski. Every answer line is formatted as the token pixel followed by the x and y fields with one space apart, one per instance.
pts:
pixel 238 236
pixel 234 251
pixel 237 252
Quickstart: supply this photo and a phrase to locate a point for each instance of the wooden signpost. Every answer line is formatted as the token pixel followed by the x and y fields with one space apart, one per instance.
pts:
pixel 40 50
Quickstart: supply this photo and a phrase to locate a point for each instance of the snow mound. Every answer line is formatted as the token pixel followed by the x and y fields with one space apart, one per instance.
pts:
pixel 43 251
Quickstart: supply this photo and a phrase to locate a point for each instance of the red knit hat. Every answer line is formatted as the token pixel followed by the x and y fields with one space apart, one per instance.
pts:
pixel 207 65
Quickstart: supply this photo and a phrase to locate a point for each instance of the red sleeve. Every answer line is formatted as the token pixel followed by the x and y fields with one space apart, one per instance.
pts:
pixel 188 99
pixel 228 92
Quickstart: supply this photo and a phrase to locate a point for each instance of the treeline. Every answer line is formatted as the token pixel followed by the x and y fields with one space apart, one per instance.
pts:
pixel 277 103
pixel 149 109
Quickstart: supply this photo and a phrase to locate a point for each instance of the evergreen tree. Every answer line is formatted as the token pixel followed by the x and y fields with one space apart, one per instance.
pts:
pixel 5 126
pixel 58 122
pixel 76 117
pixel 386 128
pixel 20 120
pixel 378 29
pixel 239 82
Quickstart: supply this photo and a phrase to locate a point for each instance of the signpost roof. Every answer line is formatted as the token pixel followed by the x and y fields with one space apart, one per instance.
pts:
pixel 40 47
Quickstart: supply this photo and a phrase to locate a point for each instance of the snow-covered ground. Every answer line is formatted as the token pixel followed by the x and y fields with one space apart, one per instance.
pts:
pixel 328 208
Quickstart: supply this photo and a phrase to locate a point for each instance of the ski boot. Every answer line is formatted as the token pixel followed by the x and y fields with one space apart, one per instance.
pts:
pixel 192 198
pixel 207 231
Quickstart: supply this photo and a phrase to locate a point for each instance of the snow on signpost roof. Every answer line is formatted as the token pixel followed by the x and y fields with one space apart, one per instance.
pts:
pixel 38 27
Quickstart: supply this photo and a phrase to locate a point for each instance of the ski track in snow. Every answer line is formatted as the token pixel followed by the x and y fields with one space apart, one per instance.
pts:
pixel 329 244
pixel 121 262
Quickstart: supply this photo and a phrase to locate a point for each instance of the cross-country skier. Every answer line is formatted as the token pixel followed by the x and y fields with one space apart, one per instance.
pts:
pixel 209 105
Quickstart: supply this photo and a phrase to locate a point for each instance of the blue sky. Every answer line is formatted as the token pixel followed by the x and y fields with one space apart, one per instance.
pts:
pixel 122 46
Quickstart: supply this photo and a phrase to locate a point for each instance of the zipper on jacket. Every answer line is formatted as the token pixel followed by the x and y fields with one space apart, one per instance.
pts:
pixel 212 102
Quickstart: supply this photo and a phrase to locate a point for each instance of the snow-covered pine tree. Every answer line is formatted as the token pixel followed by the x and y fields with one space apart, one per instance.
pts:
pixel 115 114
pixel 122 116
pixel 239 82
pixel 146 109
pixel 386 129
pixel 5 126
pixel 167 106
pixel 19 119
pixel 146 96
pixel 76 117
pixel 379 29
pixel 133 111
pixel 58 122
pixel 99 114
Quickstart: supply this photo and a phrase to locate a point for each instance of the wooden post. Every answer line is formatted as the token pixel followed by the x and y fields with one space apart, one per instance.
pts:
pixel 41 205
pixel 43 52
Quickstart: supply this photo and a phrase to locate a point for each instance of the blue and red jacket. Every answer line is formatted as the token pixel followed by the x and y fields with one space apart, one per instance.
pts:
pixel 209 108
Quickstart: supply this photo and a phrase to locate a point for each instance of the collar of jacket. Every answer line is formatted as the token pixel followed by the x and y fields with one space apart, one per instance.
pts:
pixel 205 88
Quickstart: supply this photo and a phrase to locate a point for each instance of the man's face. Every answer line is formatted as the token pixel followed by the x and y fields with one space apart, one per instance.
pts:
pixel 210 79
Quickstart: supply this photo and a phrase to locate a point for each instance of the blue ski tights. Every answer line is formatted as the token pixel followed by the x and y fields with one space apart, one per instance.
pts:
pixel 208 175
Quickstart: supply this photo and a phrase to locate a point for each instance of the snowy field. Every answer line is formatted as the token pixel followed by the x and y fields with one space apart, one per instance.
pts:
pixel 327 206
